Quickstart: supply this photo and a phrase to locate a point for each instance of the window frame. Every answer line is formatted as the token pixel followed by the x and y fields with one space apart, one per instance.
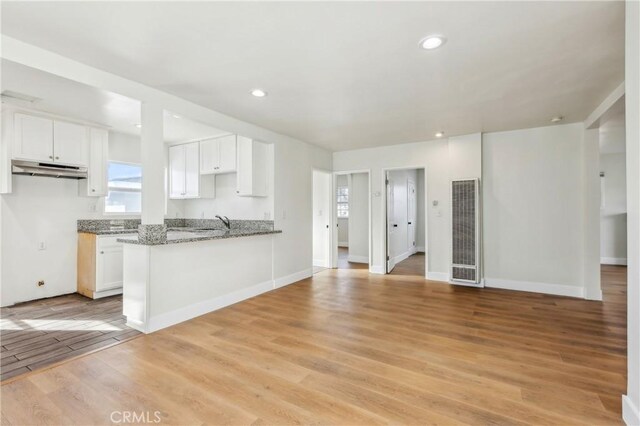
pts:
pixel 104 199
pixel 342 203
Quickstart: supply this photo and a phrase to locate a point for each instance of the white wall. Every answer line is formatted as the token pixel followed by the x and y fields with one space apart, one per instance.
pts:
pixel 631 402
pixel 532 209
pixel 343 222
pixel 435 157
pixel 613 217
pixel 359 218
pixel 44 209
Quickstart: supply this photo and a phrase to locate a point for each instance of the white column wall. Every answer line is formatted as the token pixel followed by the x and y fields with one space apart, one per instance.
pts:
pixel 152 158
pixel 631 402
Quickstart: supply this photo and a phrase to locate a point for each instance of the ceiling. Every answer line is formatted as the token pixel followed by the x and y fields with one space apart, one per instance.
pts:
pixel 612 129
pixel 346 75
pixel 68 98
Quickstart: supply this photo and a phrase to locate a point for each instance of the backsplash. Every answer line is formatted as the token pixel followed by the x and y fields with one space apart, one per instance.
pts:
pixel 92 225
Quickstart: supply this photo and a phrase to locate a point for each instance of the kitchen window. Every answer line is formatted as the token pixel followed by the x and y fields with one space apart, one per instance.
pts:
pixel 125 188
pixel 342 201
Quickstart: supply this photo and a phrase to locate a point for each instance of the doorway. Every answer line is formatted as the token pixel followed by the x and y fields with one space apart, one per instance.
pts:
pixel 353 220
pixel 405 223
pixel 322 218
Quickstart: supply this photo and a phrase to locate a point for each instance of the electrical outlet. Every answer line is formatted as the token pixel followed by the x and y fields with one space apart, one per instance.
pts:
pixel 40 283
pixel 284 214
pixel 42 245
pixel 93 208
pixel 267 216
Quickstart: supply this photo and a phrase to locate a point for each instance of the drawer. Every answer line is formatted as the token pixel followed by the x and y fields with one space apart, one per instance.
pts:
pixel 109 241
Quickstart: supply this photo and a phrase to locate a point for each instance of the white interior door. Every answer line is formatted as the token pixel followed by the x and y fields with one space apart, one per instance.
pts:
pixel 392 227
pixel 412 214
pixel 322 212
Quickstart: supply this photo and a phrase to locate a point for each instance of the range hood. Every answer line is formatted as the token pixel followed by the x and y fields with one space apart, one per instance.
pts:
pixel 34 168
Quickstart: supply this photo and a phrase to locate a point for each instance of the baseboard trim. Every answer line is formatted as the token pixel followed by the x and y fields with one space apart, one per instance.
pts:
pixel 197 309
pixel 420 249
pixel 399 258
pixel 321 263
pixel 630 413
pixel 375 269
pixel 343 243
pixel 535 287
pixel 357 259
pixel 292 278
pixel 593 295
pixel 613 261
pixel 438 276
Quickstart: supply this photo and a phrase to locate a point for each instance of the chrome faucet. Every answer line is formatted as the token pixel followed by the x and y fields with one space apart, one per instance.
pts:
pixel 226 221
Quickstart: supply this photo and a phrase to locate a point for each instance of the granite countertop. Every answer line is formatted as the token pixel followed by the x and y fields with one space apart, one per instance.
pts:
pixel 114 231
pixel 189 235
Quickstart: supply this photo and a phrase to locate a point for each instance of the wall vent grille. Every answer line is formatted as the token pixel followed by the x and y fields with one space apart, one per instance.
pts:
pixel 465 232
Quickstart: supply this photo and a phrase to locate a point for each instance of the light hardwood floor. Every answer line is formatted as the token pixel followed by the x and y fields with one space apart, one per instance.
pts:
pixel 346 347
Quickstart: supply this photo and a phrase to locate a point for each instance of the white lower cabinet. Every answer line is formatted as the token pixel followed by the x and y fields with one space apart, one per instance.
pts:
pixel 100 265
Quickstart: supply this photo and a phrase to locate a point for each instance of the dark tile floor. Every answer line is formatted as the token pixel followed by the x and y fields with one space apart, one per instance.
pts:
pixel 37 334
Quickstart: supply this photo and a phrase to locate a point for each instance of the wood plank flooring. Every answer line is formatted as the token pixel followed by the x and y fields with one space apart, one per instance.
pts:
pixel 349 348
pixel 34 335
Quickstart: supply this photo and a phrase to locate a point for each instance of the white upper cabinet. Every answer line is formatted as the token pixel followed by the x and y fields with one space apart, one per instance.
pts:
pixel 177 170
pixel 96 183
pixel 218 155
pixel 69 143
pixel 184 173
pixel 46 140
pixel 33 138
pixel 192 170
pixel 253 159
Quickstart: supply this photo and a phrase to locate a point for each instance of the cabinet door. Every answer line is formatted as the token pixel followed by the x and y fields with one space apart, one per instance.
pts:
pixel 245 166
pixel 209 159
pixel 177 171
pixel 109 267
pixel 227 154
pixel 33 139
pixel 192 169
pixel 69 143
pixel 98 153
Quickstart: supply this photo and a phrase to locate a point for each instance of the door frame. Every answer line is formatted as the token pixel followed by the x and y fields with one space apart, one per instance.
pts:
pixel 334 243
pixel 331 217
pixel 384 230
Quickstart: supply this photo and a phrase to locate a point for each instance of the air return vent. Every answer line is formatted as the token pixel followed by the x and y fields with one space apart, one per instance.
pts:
pixel 465 231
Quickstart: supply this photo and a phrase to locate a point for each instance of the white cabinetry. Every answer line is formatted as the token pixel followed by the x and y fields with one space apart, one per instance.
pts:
pixel 253 160
pixel 96 183
pixel 100 265
pixel 69 143
pixel 46 140
pixel 33 139
pixel 184 173
pixel 218 155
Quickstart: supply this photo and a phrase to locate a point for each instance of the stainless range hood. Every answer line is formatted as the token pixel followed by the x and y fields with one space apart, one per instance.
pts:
pixel 34 168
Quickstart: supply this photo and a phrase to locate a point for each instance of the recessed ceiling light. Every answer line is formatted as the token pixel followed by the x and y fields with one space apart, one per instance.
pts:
pixel 557 119
pixel 432 42
pixel 439 134
pixel 258 93
pixel 138 125
pixel 175 116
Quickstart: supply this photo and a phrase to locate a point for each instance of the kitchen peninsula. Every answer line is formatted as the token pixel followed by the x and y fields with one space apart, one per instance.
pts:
pixel 195 269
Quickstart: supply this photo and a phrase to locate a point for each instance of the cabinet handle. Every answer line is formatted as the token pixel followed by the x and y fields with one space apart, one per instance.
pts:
pixel 51 157
pixel 101 252
pixel 57 158
pixel 93 190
